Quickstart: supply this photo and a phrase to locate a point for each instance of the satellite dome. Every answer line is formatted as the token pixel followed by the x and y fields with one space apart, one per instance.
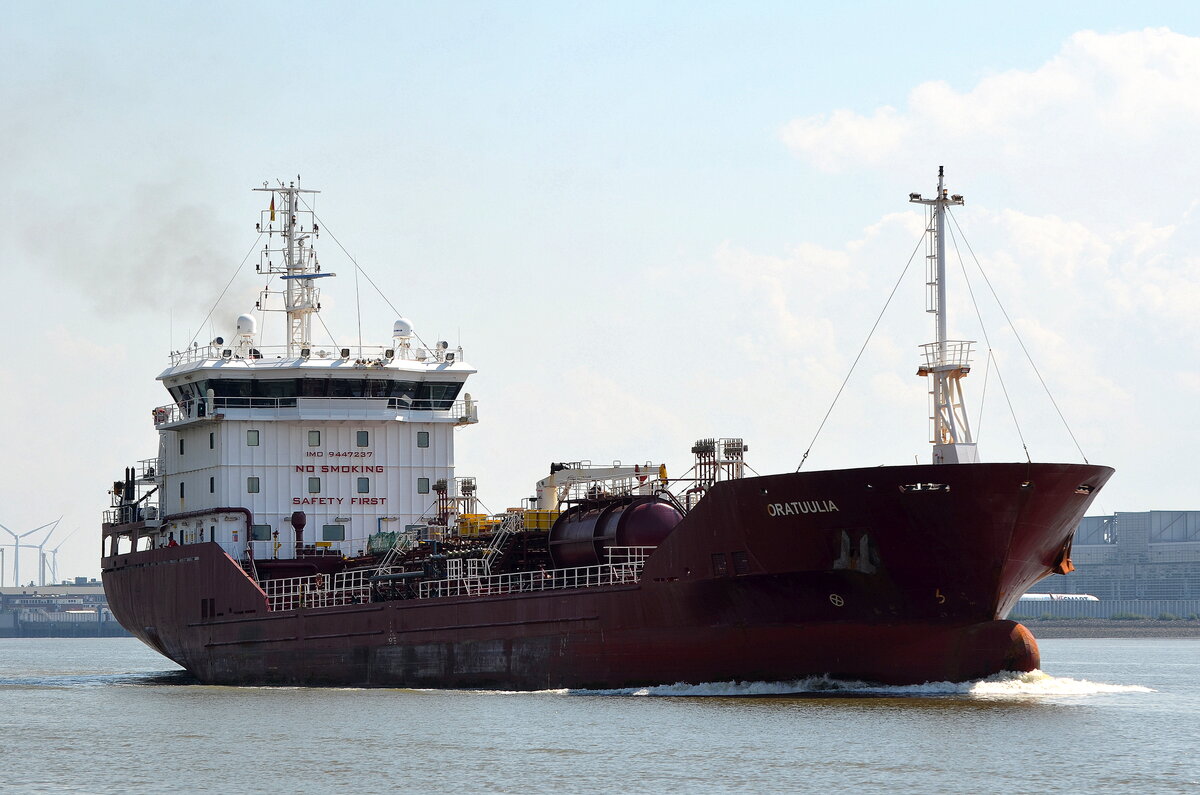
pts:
pixel 402 328
pixel 246 325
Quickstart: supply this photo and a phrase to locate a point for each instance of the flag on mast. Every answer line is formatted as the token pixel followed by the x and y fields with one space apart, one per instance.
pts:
pixel 272 206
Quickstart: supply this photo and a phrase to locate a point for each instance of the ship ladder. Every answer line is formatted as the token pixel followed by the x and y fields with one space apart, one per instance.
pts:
pixel 402 545
pixel 248 566
pixel 495 551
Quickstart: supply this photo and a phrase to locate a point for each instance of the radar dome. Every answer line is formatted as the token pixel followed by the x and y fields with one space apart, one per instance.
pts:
pixel 402 328
pixel 246 325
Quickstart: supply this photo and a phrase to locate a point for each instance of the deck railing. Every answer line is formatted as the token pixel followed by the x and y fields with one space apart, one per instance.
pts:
pixel 624 567
pixel 270 355
pixel 343 588
pixel 332 408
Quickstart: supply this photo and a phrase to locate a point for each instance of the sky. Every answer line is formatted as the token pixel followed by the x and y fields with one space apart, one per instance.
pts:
pixel 644 223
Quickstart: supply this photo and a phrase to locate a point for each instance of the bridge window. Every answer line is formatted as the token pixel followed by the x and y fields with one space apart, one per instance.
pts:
pixel 422 438
pixel 252 438
pixel 252 485
pixel 314 485
pixel 364 485
pixel 436 396
pixel 314 438
pixel 314 387
pixel 362 438
pixel 246 392
pixel 333 532
pixel 422 485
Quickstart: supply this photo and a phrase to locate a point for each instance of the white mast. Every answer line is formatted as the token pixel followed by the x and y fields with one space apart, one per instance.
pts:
pixel 946 361
pixel 299 262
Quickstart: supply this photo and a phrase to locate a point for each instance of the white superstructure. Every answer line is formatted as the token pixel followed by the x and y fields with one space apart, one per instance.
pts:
pixel 360 439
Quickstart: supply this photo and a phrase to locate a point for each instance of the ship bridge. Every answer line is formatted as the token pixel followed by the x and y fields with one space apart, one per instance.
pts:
pixel 286 451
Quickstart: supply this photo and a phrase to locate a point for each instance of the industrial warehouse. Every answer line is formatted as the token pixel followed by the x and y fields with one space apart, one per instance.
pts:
pixel 1144 563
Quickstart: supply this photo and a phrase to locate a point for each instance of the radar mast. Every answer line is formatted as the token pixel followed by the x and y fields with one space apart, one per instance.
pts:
pixel 946 362
pixel 297 263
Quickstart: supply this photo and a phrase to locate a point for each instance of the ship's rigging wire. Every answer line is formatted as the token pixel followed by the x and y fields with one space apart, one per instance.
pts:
pixel 987 372
pixel 357 269
pixel 332 339
pixel 200 328
pixel 1020 341
pixel 262 305
pixel 992 360
pixel 886 304
pixel 357 305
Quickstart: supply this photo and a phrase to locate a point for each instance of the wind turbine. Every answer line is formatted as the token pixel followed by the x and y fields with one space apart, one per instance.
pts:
pixel 17 546
pixel 41 548
pixel 54 555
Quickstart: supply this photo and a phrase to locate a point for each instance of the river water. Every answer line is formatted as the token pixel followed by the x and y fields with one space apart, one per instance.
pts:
pixel 109 715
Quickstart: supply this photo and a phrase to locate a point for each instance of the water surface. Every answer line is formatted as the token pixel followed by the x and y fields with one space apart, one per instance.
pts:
pixel 109 715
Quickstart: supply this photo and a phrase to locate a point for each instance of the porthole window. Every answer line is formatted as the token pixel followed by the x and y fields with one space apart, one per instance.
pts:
pixel 252 485
pixel 314 438
pixel 252 438
pixel 362 438
pixel 422 485
pixel 422 438
pixel 314 485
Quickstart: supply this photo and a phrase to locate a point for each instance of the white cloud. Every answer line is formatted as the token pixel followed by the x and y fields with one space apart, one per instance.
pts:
pixel 829 140
pixel 1129 85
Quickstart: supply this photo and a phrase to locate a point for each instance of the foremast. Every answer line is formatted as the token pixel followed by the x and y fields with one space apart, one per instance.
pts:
pixel 946 362
pixel 297 262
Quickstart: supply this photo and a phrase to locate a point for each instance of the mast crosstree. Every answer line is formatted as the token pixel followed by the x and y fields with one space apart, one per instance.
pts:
pixel 946 362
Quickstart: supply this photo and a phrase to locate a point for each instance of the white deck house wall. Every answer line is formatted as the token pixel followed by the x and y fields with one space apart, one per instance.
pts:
pixel 392 463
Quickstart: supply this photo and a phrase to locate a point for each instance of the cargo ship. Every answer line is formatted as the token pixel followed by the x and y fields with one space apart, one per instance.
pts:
pixel 302 524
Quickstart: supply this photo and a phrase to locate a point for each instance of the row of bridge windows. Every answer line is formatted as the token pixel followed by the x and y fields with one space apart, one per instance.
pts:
pixel 245 392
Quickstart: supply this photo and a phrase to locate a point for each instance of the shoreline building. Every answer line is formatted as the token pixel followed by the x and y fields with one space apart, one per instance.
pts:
pixel 1141 563
pixel 61 610
pixel 1136 555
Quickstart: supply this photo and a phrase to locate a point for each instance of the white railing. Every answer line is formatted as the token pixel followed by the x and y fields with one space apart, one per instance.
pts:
pixel 319 590
pixel 271 354
pixel 624 567
pixel 404 542
pixel 147 512
pixel 339 408
pixel 957 354
pixel 468 577
pixel 512 523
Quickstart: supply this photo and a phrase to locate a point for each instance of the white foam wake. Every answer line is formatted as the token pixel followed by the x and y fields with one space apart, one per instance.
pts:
pixel 1000 686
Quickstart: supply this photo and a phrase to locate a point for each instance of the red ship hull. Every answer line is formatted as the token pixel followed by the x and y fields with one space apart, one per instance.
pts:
pixel 870 574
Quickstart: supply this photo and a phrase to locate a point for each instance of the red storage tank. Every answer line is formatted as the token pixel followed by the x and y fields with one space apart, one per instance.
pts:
pixel 580 536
